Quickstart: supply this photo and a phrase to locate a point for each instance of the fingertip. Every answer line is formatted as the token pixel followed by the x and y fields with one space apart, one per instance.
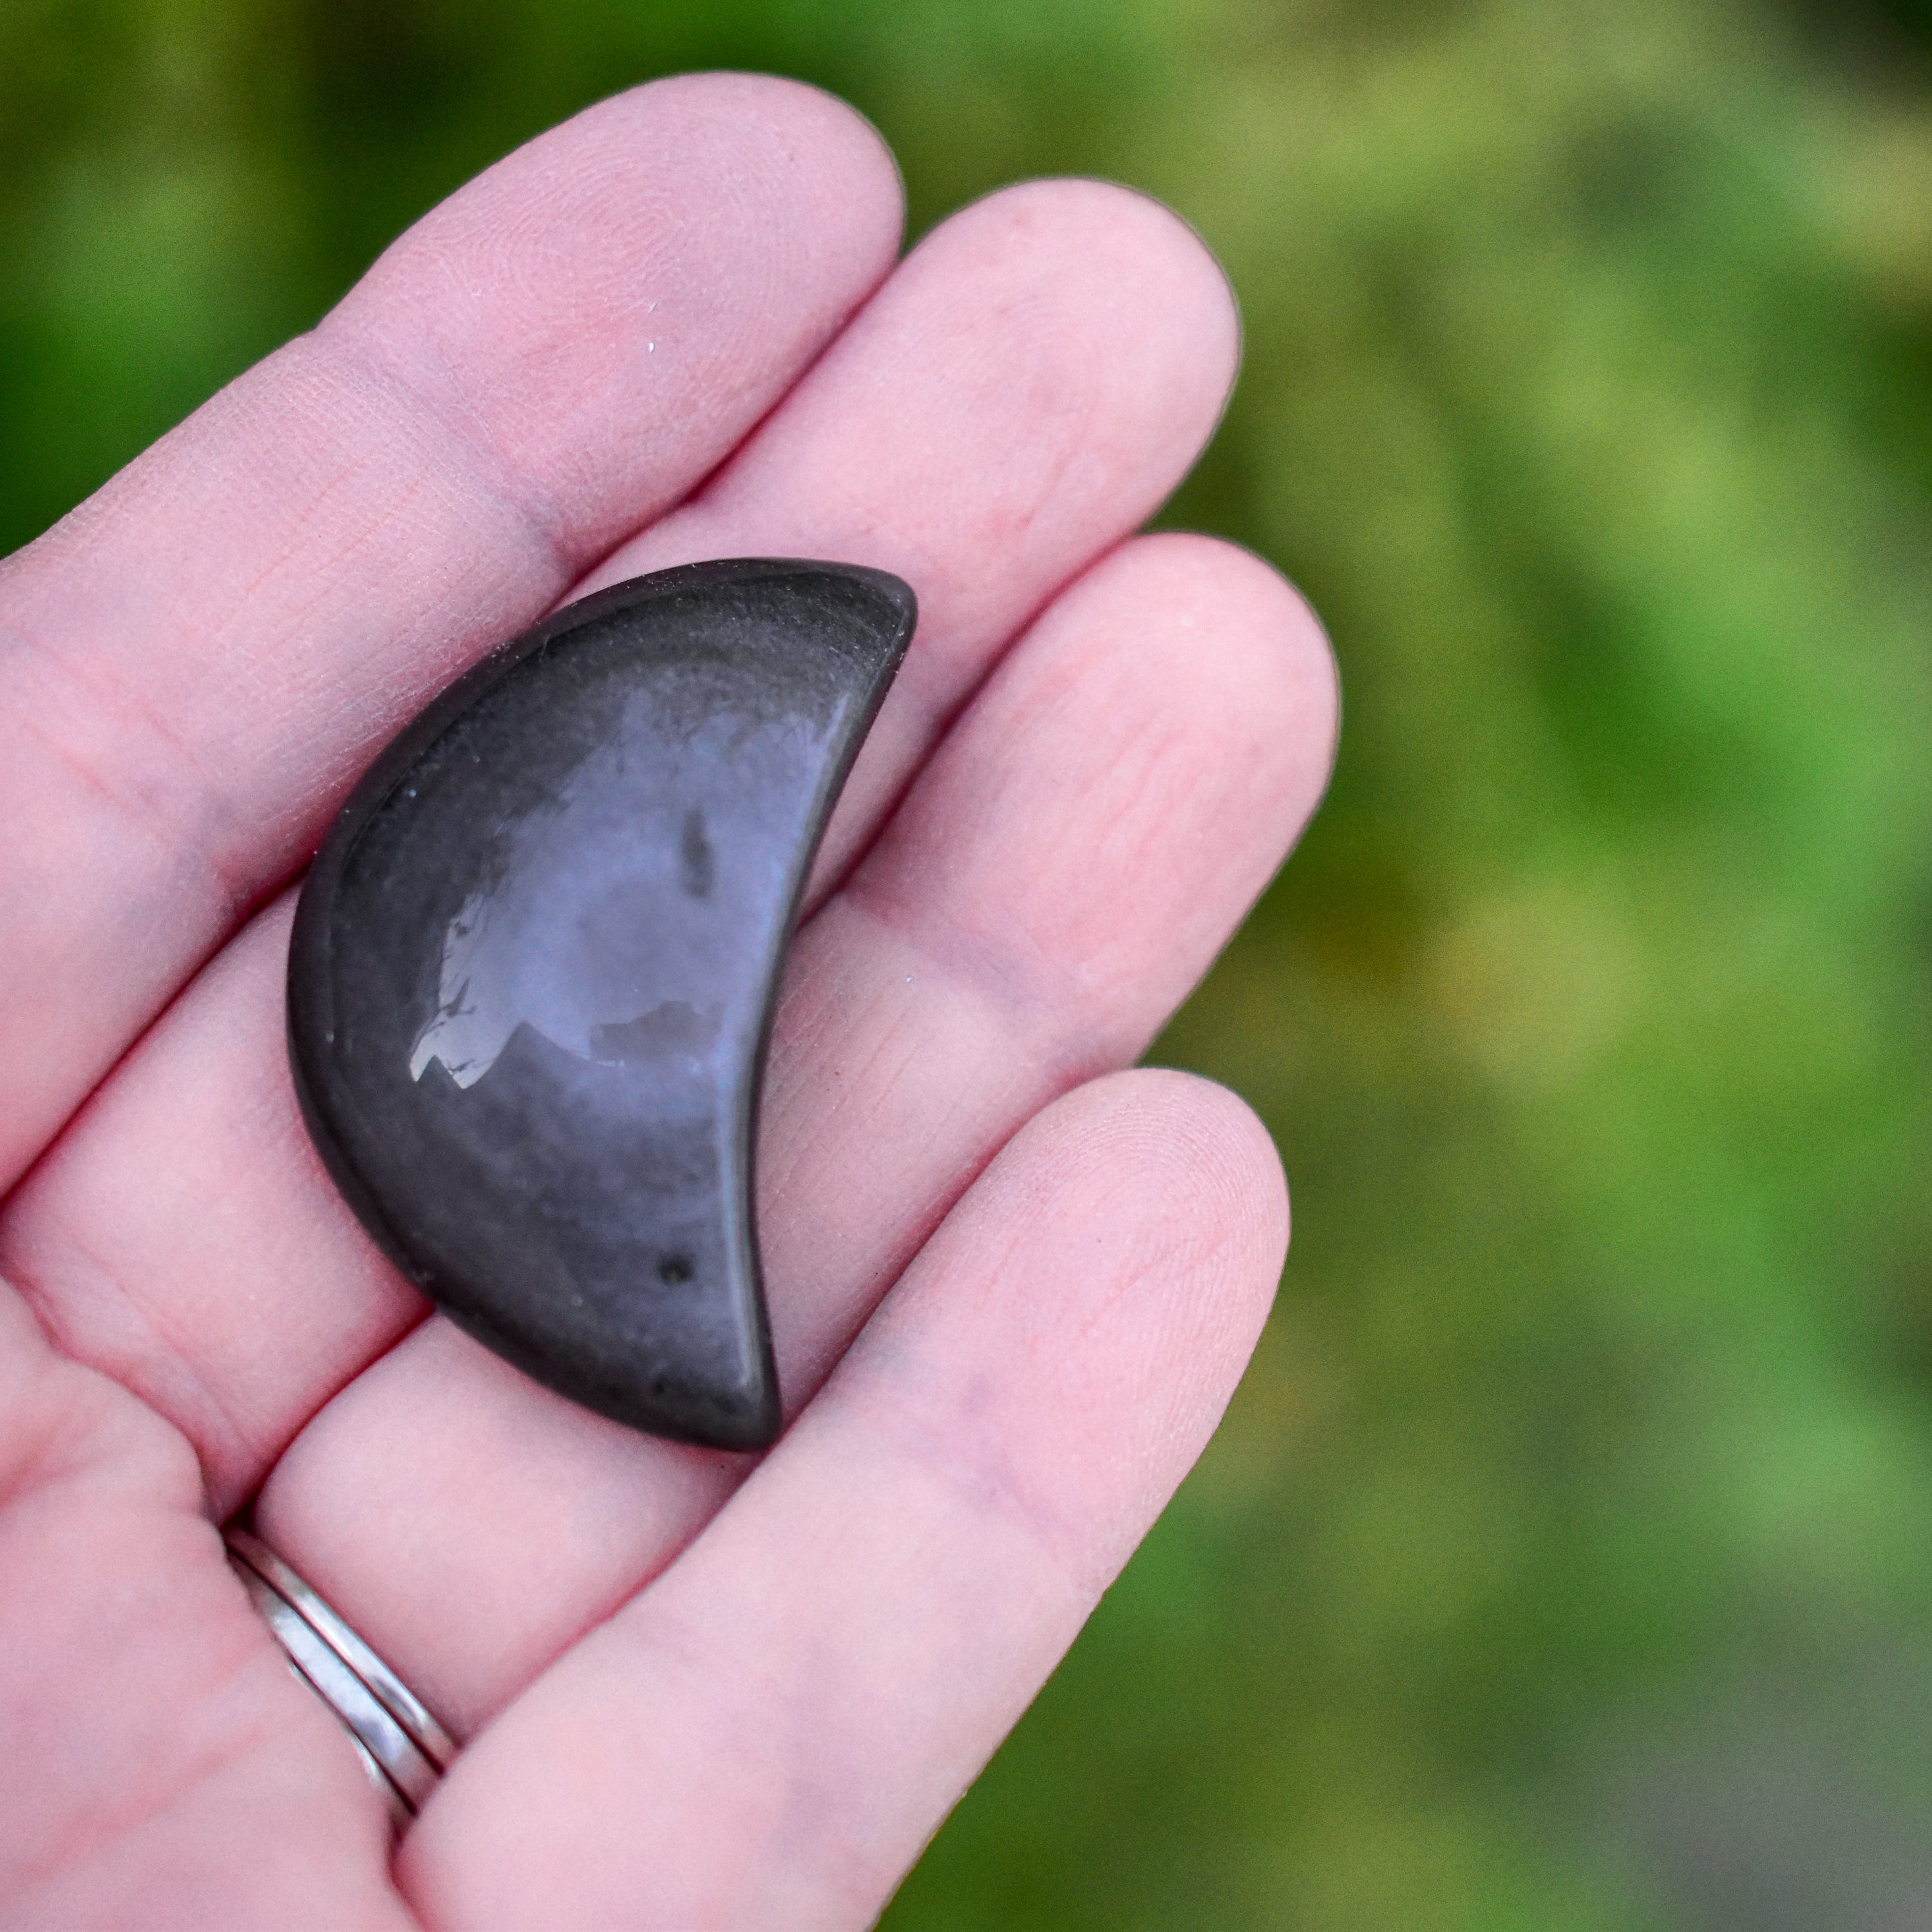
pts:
pixel 1133 240
pixel 750 137
pixel 1202 648
pixel 1197 1151
pixel 1178 1180
pixel 1273 657
pixel 832 155
pixel 1127 273
pixel 707 234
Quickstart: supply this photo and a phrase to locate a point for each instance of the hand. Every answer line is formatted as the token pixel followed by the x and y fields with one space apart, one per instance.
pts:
pixel 1011 1285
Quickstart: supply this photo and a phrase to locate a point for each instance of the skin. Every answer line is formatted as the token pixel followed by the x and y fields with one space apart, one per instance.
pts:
pixel 1012 1284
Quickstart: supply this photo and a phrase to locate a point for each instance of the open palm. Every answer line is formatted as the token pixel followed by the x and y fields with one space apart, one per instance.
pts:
pixel 1011 1285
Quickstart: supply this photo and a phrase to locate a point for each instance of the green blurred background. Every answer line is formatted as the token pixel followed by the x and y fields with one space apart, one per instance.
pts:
pixel 1566 1560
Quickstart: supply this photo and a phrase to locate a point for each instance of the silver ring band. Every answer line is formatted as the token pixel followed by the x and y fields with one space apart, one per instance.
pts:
pixel 403 1749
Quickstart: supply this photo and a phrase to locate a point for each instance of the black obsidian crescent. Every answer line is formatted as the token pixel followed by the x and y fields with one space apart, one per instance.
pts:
pixel 533 968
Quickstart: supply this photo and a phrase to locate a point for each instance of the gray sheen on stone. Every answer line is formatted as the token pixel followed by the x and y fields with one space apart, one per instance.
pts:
pixel 533 967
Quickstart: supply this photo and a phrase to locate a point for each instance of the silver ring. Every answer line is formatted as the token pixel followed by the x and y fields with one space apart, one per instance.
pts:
pixel 403 1749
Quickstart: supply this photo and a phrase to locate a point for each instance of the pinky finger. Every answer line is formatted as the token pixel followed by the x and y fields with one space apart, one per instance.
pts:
pixel 769 1734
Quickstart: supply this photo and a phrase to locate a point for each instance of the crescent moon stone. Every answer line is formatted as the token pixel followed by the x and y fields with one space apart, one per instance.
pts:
pixel 533 967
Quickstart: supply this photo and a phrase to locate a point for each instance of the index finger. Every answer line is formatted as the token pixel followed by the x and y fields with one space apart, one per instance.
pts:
pixel 194 665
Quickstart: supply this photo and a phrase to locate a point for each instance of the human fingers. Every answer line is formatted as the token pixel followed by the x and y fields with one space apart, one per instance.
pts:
pixel 1024 388
pixel 196 663
pixel 769 1734
pixel 1061 873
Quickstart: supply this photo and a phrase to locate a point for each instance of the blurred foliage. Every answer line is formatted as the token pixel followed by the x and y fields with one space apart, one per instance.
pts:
pixel 1566 1560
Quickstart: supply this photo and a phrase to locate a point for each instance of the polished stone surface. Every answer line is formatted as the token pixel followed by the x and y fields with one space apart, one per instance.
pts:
pixel 533 967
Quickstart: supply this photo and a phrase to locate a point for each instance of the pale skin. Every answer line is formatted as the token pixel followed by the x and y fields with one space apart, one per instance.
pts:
pixel 1012 1284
